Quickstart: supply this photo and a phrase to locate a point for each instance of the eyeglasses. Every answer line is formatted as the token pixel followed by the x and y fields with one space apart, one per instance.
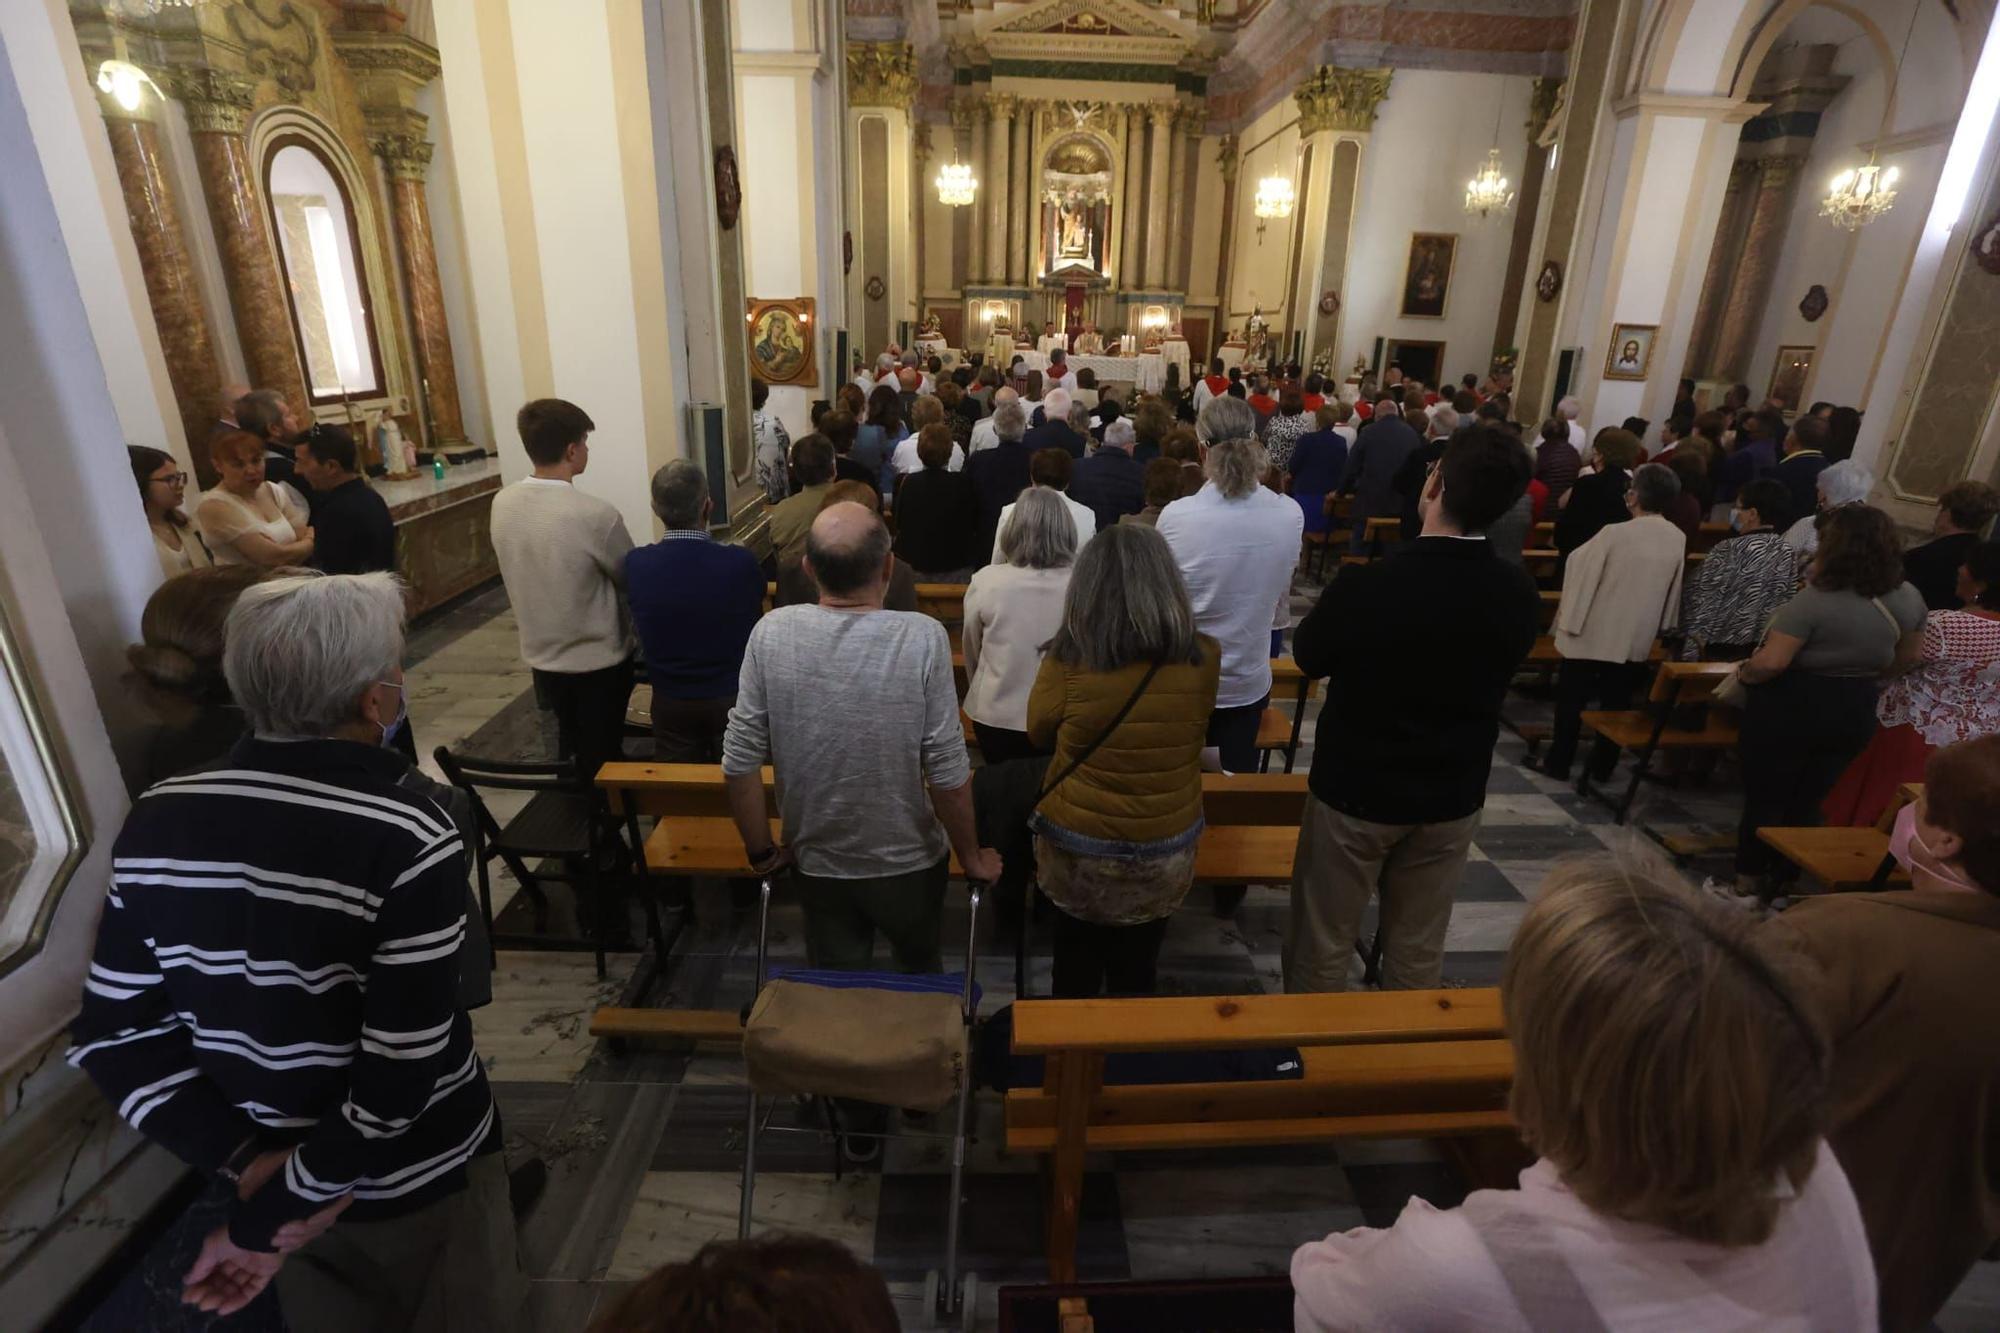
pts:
pixel 173 479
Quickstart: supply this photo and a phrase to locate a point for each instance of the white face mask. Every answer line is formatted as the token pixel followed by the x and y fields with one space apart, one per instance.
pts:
pixel 1736 520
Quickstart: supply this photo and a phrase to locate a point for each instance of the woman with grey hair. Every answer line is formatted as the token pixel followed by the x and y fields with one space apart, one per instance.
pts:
pixel 1123 698
pixel 1842 483
pixel 1236 542
pixel 1011 610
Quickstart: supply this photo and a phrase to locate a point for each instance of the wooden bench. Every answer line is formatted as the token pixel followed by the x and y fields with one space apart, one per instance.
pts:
pixel 1252 835
pixel 1649 730
pixel 940 601
pixel 1395 1064
pixel 1846 859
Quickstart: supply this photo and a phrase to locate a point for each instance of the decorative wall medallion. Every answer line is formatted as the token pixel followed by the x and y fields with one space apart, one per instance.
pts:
pixel 728 188
pixel 781 339
pixel 876 289
pixel 846 253
pixel 1329 303
pixel 1550 281
pixel 1815 303
pixel 1986 246
pixel 278 41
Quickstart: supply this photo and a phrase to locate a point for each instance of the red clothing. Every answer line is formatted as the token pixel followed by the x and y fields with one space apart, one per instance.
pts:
pixel 1217 385
pixel 1895 756
pixel 1538 493
pixel 1264 404
pixel 1315 401
pixel 1363 411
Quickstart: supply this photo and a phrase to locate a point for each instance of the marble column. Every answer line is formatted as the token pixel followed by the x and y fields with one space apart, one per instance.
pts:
pixel 1021 222
pixel 920 191
pixel 406 153
pixel 1719 280
pixel 185 338
pixel 1770 211
pixel 1228 161
pixel 1000 108
pixel 1337 110
pixel 970 139
pixel 1161 116
pixel 1132 203
pixel 218 109
pixel 1176 187
pixel 1542 104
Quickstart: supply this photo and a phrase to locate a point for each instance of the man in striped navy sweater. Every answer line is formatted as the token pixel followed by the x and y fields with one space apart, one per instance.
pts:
pixel 273 996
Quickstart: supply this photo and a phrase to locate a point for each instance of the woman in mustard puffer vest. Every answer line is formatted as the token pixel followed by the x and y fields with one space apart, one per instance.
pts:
pixel 1123 697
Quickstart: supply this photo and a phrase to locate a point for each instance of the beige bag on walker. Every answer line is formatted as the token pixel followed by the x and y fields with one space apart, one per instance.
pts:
pixel 894 1040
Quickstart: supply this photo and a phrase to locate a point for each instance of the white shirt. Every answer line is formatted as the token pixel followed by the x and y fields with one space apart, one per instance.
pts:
pixel 1065 381
pixel 1348 433
pixel 983 434
pixel 1050 342
pixel 1539 1258
pixel 1577 439
pixel 1010 612
pixel 1084 517
pixel 562 557
pixel 1237 557
pixel 905 458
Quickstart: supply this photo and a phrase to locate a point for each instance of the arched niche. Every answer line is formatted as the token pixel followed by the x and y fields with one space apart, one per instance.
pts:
pixel 1077 183
pixel 329 244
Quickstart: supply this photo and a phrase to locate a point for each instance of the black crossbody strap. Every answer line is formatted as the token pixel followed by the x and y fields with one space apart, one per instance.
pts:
pixel 1103 735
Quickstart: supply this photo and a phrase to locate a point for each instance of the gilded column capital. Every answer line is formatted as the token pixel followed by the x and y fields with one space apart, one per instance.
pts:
pixel 920 144
pixel 881 74
pixel 964 111
pixel 1543 103
pixel 1227 158
pixel 1002 106
pixel 1162 113
pixel 1341 99
pixel 216 101
pixel 1194 120
pixel 399 137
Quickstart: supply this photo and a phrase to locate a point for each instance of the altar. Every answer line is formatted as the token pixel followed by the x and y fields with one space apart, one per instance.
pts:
pixel 1148 370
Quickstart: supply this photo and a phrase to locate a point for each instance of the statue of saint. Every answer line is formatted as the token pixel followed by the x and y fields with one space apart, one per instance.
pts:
pixel 1075 232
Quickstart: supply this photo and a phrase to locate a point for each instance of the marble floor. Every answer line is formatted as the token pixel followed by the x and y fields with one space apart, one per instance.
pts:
pixel 643 1144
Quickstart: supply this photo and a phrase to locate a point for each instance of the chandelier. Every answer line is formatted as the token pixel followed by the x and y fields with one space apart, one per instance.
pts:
pixel 1859 195
pixel 1489 191
pixel 956 185
pixel 1274 200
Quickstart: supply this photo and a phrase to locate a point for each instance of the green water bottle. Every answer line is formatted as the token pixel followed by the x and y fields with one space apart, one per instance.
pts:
pixel 437 467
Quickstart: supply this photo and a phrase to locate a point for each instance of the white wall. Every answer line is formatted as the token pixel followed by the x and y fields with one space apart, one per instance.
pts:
pixel 448 243
pixel 1430 138
pixel 1862 271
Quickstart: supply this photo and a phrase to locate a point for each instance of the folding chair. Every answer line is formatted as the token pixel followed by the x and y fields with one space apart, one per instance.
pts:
pixel 565 822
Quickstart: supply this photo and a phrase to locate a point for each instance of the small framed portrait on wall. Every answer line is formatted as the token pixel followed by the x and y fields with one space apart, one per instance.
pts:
pixel 1630 354
pixel 1788 376
pixel 781 342
pixel 1427 277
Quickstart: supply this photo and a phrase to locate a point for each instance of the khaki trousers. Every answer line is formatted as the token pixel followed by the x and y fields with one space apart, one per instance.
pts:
pixel 451 1267
pixel 1341 861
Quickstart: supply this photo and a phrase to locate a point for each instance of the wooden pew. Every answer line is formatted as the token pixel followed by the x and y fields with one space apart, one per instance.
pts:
pixel 1253 830
pixel 1396 1064
pixel 1649 730
pixel 1846 859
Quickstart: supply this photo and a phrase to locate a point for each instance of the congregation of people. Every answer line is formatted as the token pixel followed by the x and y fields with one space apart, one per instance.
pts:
pixel 1723 1087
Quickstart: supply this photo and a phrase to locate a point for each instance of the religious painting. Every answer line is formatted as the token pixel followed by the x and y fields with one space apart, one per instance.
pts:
pixel 1427 278
pixel 1630 354
pixel 781 342
pixel 1814 303
pixel 1788 376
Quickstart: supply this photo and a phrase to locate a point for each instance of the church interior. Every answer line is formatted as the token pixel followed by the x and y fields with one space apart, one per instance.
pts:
pixel 377 232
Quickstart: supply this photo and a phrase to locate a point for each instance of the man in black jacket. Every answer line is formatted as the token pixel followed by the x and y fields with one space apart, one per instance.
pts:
pixel 353 531
pixel 1804 460
pixel 1418 648
pixel 999 474
pixel 1598 500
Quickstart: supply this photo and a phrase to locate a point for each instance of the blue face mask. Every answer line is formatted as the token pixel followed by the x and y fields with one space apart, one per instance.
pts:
pixel 402 711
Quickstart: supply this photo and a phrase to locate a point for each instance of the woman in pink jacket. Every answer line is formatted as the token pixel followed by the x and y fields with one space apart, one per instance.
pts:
pixel 1671 1073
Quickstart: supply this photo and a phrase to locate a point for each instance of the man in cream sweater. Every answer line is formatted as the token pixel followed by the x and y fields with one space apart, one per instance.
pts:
pixel 562 557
